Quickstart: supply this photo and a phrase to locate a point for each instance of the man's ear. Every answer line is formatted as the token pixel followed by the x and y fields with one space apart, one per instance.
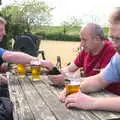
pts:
pixel 98 38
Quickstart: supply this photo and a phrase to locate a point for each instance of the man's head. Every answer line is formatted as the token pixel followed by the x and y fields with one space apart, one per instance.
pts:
pixel 2 27
pixel 91 38
pixel 114 28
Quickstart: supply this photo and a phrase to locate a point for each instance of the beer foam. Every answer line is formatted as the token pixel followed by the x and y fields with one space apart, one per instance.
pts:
pixel 75 82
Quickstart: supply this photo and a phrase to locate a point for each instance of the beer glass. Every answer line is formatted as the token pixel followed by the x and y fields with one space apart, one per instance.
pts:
pixel 28 68
pixel 35 69
pixel 21 70
pixel 72 83
pixel 72 87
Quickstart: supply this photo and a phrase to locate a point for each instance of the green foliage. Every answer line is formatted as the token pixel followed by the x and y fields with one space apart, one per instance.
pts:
pixel 105 29
pixel 21 17
pixel 34 12
pixel 73 22
pixel 12 28
pixel 57 33
pixel 62 37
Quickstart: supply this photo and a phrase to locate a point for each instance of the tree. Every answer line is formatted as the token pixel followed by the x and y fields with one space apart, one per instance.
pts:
pixel 17 23
pixel 72 22
pixel 29 12
pixel 35 12
pixel 22 16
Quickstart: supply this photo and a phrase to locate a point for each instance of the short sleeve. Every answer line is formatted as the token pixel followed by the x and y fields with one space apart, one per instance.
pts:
pixel 79 61
pixel 2 51
pixel 111 72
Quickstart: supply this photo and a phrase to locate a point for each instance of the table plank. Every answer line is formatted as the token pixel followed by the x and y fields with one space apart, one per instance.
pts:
pixel 21 107
pixel 35 101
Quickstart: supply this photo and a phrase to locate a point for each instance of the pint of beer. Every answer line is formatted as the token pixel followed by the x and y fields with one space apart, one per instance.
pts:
pixel 35 69
pixel 21 70
pixel 72 87
pixel 35 72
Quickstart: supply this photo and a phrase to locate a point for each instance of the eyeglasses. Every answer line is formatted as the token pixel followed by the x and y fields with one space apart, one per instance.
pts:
pixel 114 39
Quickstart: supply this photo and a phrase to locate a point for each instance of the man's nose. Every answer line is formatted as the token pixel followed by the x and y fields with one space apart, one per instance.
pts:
pixel 82 44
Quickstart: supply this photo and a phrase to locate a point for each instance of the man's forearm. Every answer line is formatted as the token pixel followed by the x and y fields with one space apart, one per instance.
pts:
pixel 110 104
pixel 17 57
pixel 93 83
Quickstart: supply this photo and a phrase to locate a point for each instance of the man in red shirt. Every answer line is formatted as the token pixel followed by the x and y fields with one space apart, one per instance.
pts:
pixel 91 63
pixel 95 54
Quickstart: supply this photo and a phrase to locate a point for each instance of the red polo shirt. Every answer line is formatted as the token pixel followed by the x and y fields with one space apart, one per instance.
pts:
pixel 93 64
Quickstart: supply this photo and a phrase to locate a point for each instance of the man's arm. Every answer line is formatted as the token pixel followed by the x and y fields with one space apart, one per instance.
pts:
pixel 17 57
pixel 93 83
pixel 89 84
pixel 83 101
pixel 70 68
pixel 107 103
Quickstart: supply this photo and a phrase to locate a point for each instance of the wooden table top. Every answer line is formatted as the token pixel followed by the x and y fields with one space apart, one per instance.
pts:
pixel 38 100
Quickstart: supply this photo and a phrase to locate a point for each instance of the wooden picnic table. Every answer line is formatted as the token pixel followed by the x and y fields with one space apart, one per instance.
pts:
pixel 38 100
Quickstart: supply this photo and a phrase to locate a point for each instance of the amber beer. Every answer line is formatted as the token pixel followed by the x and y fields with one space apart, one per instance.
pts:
pixel 35 72
pixel 21 70
pixel 72 87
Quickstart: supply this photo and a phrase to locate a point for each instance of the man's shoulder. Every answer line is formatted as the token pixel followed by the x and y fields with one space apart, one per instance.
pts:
pixel 116 57
pixel 109 46
pixel 108 43
pixel 2 49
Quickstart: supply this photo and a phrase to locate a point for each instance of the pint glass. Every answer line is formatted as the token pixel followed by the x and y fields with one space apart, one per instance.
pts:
pixel 72 84
pixel 72 87
pixel 35 69
pixel 21 70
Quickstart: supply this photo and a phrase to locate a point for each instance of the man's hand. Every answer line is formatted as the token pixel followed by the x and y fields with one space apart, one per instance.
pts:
pixel 4 67
pixel 47 64
pixel 57 79
pixel 44 63
pixel 63 95
pixel 3 79
pixel 79 100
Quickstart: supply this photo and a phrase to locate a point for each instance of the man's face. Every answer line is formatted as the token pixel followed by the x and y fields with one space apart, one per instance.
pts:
pixel 87 41
pixel 114 35
pixel 2 31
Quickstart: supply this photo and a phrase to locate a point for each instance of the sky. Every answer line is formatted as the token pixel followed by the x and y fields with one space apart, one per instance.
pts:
pixel 86 10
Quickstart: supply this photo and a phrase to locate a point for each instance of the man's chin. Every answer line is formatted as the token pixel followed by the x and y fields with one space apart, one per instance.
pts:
pixel 86 50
